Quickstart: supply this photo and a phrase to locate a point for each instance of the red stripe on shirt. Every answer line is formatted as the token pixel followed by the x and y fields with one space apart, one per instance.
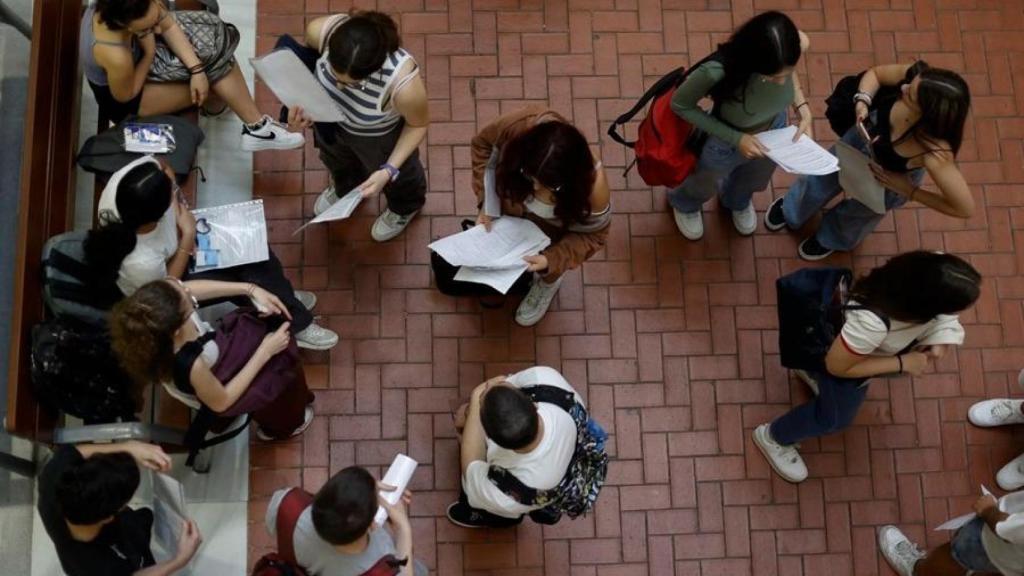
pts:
pixel 850 348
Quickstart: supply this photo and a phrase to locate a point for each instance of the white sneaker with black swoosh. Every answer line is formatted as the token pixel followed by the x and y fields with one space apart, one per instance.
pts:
pixel 270 136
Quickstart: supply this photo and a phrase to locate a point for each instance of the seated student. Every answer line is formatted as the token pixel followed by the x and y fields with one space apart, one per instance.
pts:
pixel 991 543
pixel 899 317
pixel 147 233
pixel 337 536
pixel 118 43
pixel 244 366
pixel 83 500
pixel 502 426
pixel 544 171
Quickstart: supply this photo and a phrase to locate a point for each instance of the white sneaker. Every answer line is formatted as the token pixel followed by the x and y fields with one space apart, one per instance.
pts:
pixel 316 337
pixel 324 200
pixel 808 379
pixel 997 412
pixel 537 301
pixel 271 136
pixel 1011 476
pixel 785 460
pixel 308 419
pixel 745 220
pixel 690 224
pixel 388 225
pixel 306 298
pixel 900 552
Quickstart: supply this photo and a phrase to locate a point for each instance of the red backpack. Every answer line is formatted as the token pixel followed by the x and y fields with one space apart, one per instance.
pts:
pixel 666 149
pixel 284 563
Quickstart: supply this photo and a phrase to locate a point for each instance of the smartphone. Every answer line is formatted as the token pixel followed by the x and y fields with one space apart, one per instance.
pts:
pixel 862 130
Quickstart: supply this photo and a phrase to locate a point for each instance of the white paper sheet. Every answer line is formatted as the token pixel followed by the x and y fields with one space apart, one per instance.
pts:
pixel 293 84
pixel 492 204
pixel 502 247
pixel 398 475
pixel 960 521
pixel 168 512
pixel 230 235
pixel 856 178
pixel 501 279
pixel 340 210
pixel 805 156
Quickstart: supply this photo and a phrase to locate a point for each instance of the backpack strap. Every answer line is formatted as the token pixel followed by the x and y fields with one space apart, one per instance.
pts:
pixel 560 397
pixel 388 565
pixel 185 358
pixel 670 80
pixel 292 505
pixel 513 487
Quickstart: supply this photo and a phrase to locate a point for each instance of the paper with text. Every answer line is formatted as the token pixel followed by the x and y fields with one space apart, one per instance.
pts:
pixel 493 258
pixel 856 178
pixel 805 156
pixel 340 210
pixel 230 235
pixel 294 85
pixel 168 512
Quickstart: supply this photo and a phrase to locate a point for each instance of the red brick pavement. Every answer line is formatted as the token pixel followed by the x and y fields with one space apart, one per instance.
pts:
pixel 673 343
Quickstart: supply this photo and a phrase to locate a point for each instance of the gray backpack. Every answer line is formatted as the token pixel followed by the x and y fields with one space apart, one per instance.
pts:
pixel 70 288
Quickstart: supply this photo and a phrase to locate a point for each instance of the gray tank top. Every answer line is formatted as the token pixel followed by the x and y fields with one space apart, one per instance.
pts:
pixel 87 39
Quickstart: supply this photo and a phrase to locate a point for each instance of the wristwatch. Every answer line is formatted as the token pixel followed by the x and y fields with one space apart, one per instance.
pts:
pixel 391 170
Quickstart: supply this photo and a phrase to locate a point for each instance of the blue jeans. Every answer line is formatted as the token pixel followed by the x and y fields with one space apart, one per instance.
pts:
pixel 848 222
pixel 722 170
pixel 967 549
pixel 833 410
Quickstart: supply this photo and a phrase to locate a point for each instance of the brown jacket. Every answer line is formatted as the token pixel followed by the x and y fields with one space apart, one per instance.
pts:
pixel 568 249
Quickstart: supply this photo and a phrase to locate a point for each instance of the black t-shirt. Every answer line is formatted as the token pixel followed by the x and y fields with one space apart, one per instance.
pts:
pixel 120 549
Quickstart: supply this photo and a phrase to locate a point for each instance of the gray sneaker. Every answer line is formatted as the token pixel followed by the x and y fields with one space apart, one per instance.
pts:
pixel 745 220
pixel 898 550
pixel 388 225
pixel 316 337
pixel 324 200
pixel 537 301
pixel 307 299
pixel 690 224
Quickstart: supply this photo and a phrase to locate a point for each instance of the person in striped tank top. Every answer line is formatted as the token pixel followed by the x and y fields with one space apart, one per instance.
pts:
pixel 543 170
pixel 377 85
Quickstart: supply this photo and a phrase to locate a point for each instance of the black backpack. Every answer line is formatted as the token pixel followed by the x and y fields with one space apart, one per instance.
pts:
pixel 444 277
pixel 74 371
pixel 840 107
pixel 104 153
pixel 70 288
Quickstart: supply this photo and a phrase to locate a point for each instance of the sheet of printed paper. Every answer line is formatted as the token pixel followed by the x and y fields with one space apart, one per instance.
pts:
pixel 856 178
pixel 168 511
pixel 805 156
pixel 294 85
pixel 501 279
pixel 340 210
pixel 502 247
pixel 237 233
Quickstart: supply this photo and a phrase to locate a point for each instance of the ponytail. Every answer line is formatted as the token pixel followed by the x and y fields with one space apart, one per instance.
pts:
pixel 361 45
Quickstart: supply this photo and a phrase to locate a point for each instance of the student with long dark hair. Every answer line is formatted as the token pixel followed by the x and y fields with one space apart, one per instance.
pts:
pixel 899 317
pixel 146 233
pixel 752 81
pixel 118 44
pixel 917 130
pixel 544 171
pixel 377 84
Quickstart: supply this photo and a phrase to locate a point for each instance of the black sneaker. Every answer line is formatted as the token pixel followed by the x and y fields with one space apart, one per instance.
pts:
pixel 464 515
pixel 811 250
pixel 774 219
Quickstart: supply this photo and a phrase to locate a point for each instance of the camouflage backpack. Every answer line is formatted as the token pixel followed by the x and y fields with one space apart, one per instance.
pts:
pixel 576 493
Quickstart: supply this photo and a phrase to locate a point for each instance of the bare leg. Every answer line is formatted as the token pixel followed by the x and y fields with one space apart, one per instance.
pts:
pixel 235 92
pixel 164 98
pixel 939 562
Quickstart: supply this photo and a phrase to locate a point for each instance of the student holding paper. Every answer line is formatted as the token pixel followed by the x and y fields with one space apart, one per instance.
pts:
pixel 376 83
pixel 84 492
pixel 543 170
pixel 247 364
pixel 140 60
pixel 917 130
pixel 336 535
pixel 991 543
pixel 753 81
pixel 146 233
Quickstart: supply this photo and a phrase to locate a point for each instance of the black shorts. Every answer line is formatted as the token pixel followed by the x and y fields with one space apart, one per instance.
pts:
pixel 110 108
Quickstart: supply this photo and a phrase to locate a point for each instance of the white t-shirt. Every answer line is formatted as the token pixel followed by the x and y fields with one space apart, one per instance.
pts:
pixel 148 261
pixel 542 468
pixel 864 333
pixel 1005 546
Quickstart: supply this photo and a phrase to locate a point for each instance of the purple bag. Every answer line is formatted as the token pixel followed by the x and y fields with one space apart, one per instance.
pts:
pixel 238 335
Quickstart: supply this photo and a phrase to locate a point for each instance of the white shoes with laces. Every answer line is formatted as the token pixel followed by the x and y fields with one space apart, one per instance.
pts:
pixel 690 224
pixel 996 412
pixel 898 550
pixel 745 220
pixel 537 301
pixel 786 460
pixel 270 135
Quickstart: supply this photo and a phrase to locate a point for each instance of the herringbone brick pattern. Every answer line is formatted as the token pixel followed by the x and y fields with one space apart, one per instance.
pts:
pixel 673 343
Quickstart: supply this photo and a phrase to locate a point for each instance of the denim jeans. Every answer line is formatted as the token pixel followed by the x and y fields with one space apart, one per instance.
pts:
pixel 832 410
pixel 722 170
pixel 848 222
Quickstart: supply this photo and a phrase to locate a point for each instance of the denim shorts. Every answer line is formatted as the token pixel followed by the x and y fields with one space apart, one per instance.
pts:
pixel 967 549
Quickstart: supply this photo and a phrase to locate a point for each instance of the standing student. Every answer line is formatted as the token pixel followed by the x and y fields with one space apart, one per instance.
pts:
pixel 84 492
pixel 752 82
pixel 917 130
pixel 544 171
pixel 376 83
pixel 1003 412
pixel 899 317
pixel 118 42
pixel 147 233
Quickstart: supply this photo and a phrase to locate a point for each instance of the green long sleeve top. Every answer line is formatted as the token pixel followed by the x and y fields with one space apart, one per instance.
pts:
pixel 762 103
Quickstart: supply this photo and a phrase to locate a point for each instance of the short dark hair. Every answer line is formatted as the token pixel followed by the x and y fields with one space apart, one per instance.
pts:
pixel 95 489
pixel 344 508
pixel 362 43
pixel 509 417
pixel 116 14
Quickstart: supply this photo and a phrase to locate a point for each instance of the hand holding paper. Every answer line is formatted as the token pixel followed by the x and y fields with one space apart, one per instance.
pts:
pixel 340 210
pixel 804 156
pixel 398 477
pixel 495 257
pixel 293 84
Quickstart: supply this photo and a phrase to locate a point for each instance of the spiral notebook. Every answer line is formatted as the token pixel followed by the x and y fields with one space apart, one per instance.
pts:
pixel 230 235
